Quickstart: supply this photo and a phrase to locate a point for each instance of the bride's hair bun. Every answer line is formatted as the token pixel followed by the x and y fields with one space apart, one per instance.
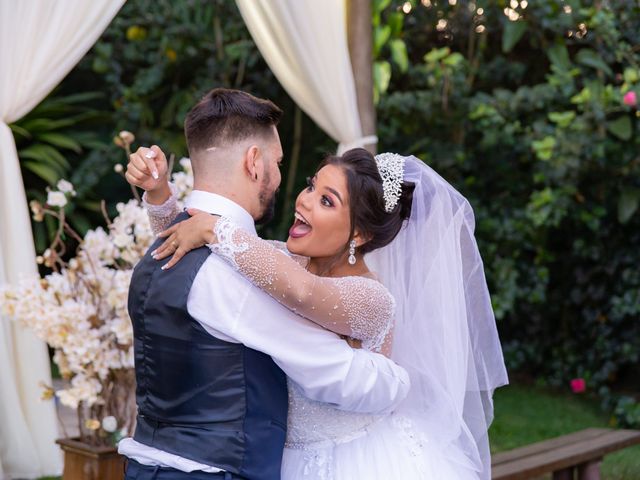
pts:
pixel 406 200
pixel 366 199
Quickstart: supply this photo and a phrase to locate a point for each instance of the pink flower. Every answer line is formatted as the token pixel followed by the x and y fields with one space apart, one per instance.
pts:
pixel 630 99
pixel 578 385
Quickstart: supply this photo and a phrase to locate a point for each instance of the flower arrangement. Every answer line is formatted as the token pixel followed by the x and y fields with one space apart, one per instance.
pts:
pixel 80 309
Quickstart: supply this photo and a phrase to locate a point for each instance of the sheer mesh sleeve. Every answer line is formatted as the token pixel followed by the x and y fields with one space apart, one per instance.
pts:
pixel 358 307
pixel 160 216
pixel 282 246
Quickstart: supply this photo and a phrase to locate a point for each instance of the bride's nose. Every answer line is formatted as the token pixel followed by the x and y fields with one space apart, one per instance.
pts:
pixel 304 200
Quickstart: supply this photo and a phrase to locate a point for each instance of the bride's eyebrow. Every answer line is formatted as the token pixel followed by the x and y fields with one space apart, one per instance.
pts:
pixel 335 192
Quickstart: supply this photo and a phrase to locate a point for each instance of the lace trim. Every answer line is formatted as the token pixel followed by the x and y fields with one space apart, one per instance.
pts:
pixel 226 247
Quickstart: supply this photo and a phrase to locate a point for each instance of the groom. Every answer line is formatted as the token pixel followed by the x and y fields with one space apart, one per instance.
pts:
pixel 212 352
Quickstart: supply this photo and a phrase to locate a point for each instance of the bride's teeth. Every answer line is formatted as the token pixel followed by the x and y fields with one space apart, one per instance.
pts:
pixel 299 217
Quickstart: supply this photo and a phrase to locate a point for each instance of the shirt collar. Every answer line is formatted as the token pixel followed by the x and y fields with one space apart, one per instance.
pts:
pixel 219 205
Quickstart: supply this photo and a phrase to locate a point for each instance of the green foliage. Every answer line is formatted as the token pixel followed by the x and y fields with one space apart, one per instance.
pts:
pixel 53 130
pixel 387 40
pixel 526 117
pixel 52 140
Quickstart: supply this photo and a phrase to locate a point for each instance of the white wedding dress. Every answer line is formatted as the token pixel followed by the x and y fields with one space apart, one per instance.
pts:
pixel 324 443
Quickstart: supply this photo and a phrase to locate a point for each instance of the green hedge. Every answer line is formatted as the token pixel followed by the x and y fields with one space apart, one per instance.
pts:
pixel 528 119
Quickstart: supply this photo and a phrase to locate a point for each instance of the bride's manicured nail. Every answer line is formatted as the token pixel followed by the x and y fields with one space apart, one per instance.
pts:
pixel 155 175
pixel 150 154
pixel 153 254
pixel 164 267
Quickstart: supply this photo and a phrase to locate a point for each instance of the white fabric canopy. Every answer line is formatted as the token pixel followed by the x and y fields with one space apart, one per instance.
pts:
pixel 40 42
pixel 304 42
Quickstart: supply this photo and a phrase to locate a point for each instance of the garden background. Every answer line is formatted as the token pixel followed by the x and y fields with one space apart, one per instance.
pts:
pixel 528 108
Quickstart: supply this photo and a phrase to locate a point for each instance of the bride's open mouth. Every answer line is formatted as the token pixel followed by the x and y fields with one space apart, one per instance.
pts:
pixel 300 227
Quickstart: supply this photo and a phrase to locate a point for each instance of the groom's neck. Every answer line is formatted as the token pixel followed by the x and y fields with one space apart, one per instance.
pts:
pixel 229 191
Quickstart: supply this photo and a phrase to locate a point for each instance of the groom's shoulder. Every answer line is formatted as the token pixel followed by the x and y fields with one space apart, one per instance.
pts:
pixel 217 273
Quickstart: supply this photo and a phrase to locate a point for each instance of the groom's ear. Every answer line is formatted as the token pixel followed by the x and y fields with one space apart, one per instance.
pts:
pixel 252 159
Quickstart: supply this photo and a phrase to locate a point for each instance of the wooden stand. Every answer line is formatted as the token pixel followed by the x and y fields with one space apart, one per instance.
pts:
pixel 85 462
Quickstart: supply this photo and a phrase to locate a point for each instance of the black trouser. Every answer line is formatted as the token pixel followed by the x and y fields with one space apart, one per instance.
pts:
pixel 137 471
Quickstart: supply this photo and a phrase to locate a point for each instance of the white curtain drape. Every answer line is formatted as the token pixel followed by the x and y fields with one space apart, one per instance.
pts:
pixel 40 42
pixel 304 42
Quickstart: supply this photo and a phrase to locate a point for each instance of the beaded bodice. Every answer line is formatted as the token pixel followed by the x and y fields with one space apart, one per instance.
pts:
pixel 311 424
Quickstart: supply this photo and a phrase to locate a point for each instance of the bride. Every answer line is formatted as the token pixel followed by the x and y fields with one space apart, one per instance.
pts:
pixel 382 252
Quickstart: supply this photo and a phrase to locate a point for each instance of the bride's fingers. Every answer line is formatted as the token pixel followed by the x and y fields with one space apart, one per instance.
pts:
pixel 168 231
pixel 167 248
pixel 180 252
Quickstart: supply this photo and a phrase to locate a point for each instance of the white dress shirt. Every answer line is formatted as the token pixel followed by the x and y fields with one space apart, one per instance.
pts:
pixel 324 366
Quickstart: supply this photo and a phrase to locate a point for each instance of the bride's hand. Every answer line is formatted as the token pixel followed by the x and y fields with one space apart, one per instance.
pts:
pixel 185 236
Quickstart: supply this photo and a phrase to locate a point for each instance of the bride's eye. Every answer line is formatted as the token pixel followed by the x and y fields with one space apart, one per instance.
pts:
pixel 326 201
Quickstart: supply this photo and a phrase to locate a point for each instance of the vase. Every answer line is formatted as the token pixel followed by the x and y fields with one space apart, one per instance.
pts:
pixel 86 462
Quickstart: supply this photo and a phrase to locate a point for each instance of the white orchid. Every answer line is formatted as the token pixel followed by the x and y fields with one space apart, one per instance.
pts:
pixel 65 186
pixel 56 199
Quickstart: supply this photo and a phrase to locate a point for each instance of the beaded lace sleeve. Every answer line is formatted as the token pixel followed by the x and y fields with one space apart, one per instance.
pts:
pixel 358 307
pixel 161 216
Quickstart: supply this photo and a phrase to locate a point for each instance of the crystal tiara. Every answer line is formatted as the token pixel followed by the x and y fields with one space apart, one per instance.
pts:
pixel 391 168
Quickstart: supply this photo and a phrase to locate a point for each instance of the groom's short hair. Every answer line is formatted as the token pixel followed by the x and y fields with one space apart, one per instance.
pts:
pixel 225 116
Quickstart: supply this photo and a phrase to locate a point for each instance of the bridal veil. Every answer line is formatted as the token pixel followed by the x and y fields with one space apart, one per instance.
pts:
pixel 445 332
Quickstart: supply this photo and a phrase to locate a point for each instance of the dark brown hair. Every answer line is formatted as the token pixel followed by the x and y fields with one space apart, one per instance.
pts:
pixel 366 200
pixel 226 116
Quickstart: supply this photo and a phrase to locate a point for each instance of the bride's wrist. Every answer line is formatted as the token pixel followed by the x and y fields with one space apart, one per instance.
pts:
pixel 210 232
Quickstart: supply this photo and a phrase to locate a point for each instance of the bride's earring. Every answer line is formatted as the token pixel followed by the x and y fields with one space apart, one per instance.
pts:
pixel 352 252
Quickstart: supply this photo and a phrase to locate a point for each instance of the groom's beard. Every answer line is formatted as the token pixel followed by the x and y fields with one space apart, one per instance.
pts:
pixel 268 202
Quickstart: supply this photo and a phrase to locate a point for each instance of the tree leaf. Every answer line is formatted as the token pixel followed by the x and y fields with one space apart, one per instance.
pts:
pixel 45 153
pixel 590 58
pixel 628 204
pixel 47 173
pixel 620 127
pixel 381 35
pixel 379 5
pixel 60 140
pixel 399 54
pixel 436 54
pixel 513 32
pixel 18 130
pixel 559 56
pixel 395 21
pixel 563 119
pixel 381 78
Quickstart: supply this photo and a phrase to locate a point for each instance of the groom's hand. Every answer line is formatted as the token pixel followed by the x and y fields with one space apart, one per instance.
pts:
pixel 147 169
